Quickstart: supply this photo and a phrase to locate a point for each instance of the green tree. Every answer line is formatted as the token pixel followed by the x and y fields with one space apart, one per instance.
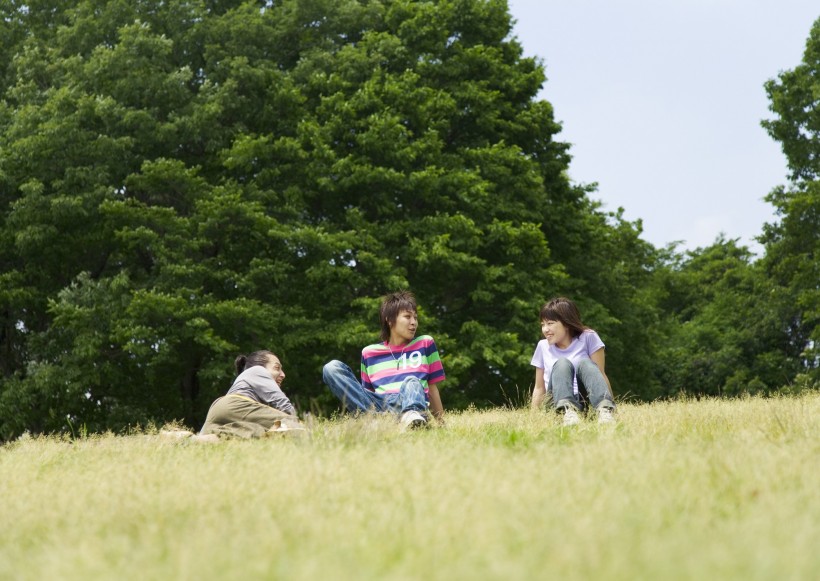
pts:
pixel 721 331
pixel 183 180
pixel 793 242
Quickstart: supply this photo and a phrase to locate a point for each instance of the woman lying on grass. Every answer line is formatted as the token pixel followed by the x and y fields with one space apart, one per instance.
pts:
pixel 255 403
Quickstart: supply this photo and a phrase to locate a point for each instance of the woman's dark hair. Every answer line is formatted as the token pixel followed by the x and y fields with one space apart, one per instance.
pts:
pixel 566 312
pixel 392 305
pixel 244 362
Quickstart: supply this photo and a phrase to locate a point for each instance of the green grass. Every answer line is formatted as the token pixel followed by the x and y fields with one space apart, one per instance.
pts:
pixel 706 489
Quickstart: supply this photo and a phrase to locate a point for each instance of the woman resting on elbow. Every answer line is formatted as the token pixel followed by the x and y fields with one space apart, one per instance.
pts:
pixel 255 403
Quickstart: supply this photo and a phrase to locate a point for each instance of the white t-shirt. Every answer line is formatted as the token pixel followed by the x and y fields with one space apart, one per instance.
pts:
pixel 582 347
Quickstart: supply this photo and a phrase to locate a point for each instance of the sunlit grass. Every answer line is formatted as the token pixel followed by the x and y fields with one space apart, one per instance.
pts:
pixel 710 489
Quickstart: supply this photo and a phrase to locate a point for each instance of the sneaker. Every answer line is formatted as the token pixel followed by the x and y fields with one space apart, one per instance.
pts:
pixel 571 416
pixel 286 427
pixel 605 416
pixel 410 420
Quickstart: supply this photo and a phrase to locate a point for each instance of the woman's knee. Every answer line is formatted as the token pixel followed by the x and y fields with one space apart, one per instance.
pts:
pixel 563 365
pixel 587 366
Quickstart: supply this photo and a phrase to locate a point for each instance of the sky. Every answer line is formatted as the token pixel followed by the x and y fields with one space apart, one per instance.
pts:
pixel 662 102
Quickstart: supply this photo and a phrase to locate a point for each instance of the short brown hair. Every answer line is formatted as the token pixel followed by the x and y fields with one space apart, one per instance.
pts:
pixel 392 305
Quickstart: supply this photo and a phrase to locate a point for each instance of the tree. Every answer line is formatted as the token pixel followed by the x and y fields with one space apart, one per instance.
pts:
pixel 721 331
pixel 186 180
pixel 793 243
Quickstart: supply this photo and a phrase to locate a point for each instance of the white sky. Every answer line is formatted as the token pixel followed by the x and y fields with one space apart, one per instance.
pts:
pixel 662 102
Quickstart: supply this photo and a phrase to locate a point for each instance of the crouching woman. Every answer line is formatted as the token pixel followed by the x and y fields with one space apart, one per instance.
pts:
pixel 255 403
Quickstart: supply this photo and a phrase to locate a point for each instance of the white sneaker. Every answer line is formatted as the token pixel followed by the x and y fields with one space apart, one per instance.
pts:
pixel 410 420
pixel 571 417
pixel 605 416
pixel 286 427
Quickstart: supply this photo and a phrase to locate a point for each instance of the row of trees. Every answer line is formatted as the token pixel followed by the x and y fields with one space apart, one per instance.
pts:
pixel 184 180
pixel 735 324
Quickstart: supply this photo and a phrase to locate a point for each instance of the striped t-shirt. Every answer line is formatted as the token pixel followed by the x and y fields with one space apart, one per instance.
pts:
pixel 384 368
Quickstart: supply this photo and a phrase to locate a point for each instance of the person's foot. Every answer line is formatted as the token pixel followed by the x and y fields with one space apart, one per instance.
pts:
pixel 286 427
pixel 205 438
pixel 571 417
pixel 605 416
pixel 175 434
pixel 411 420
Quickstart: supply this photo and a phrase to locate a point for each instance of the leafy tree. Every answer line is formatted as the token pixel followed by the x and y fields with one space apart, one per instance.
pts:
pixel 721 332
pixel 793 243
pixel 183 180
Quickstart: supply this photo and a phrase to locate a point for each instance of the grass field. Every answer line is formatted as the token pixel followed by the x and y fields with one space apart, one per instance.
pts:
pixel 707 489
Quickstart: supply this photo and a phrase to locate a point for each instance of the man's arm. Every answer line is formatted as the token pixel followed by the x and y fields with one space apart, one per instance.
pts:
pixel 435 402
pixel 539 392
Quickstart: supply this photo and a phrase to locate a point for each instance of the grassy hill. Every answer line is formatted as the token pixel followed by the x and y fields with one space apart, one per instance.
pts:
pixel 708 489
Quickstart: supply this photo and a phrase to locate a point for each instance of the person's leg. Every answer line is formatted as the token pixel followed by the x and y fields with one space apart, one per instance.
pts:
pixel 411 396
pixel 345 386
pixel 215 417
pixel 561 385
pixel 244 418
pixel 245 410
pixel 410 403
pixel 590 376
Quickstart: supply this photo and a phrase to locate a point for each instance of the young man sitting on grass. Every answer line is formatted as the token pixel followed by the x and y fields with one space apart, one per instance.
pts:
pixel 398 375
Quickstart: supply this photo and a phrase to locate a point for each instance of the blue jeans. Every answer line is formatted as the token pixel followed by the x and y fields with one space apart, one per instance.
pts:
pixel 344 385
pixel 589 377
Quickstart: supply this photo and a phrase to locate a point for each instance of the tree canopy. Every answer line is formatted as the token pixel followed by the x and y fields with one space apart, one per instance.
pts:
pixel 792 244
pixel 186 180
pixel 182 181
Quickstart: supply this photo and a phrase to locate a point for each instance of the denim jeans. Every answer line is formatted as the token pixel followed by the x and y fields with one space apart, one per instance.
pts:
pixel 347 387
pixel 589 377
